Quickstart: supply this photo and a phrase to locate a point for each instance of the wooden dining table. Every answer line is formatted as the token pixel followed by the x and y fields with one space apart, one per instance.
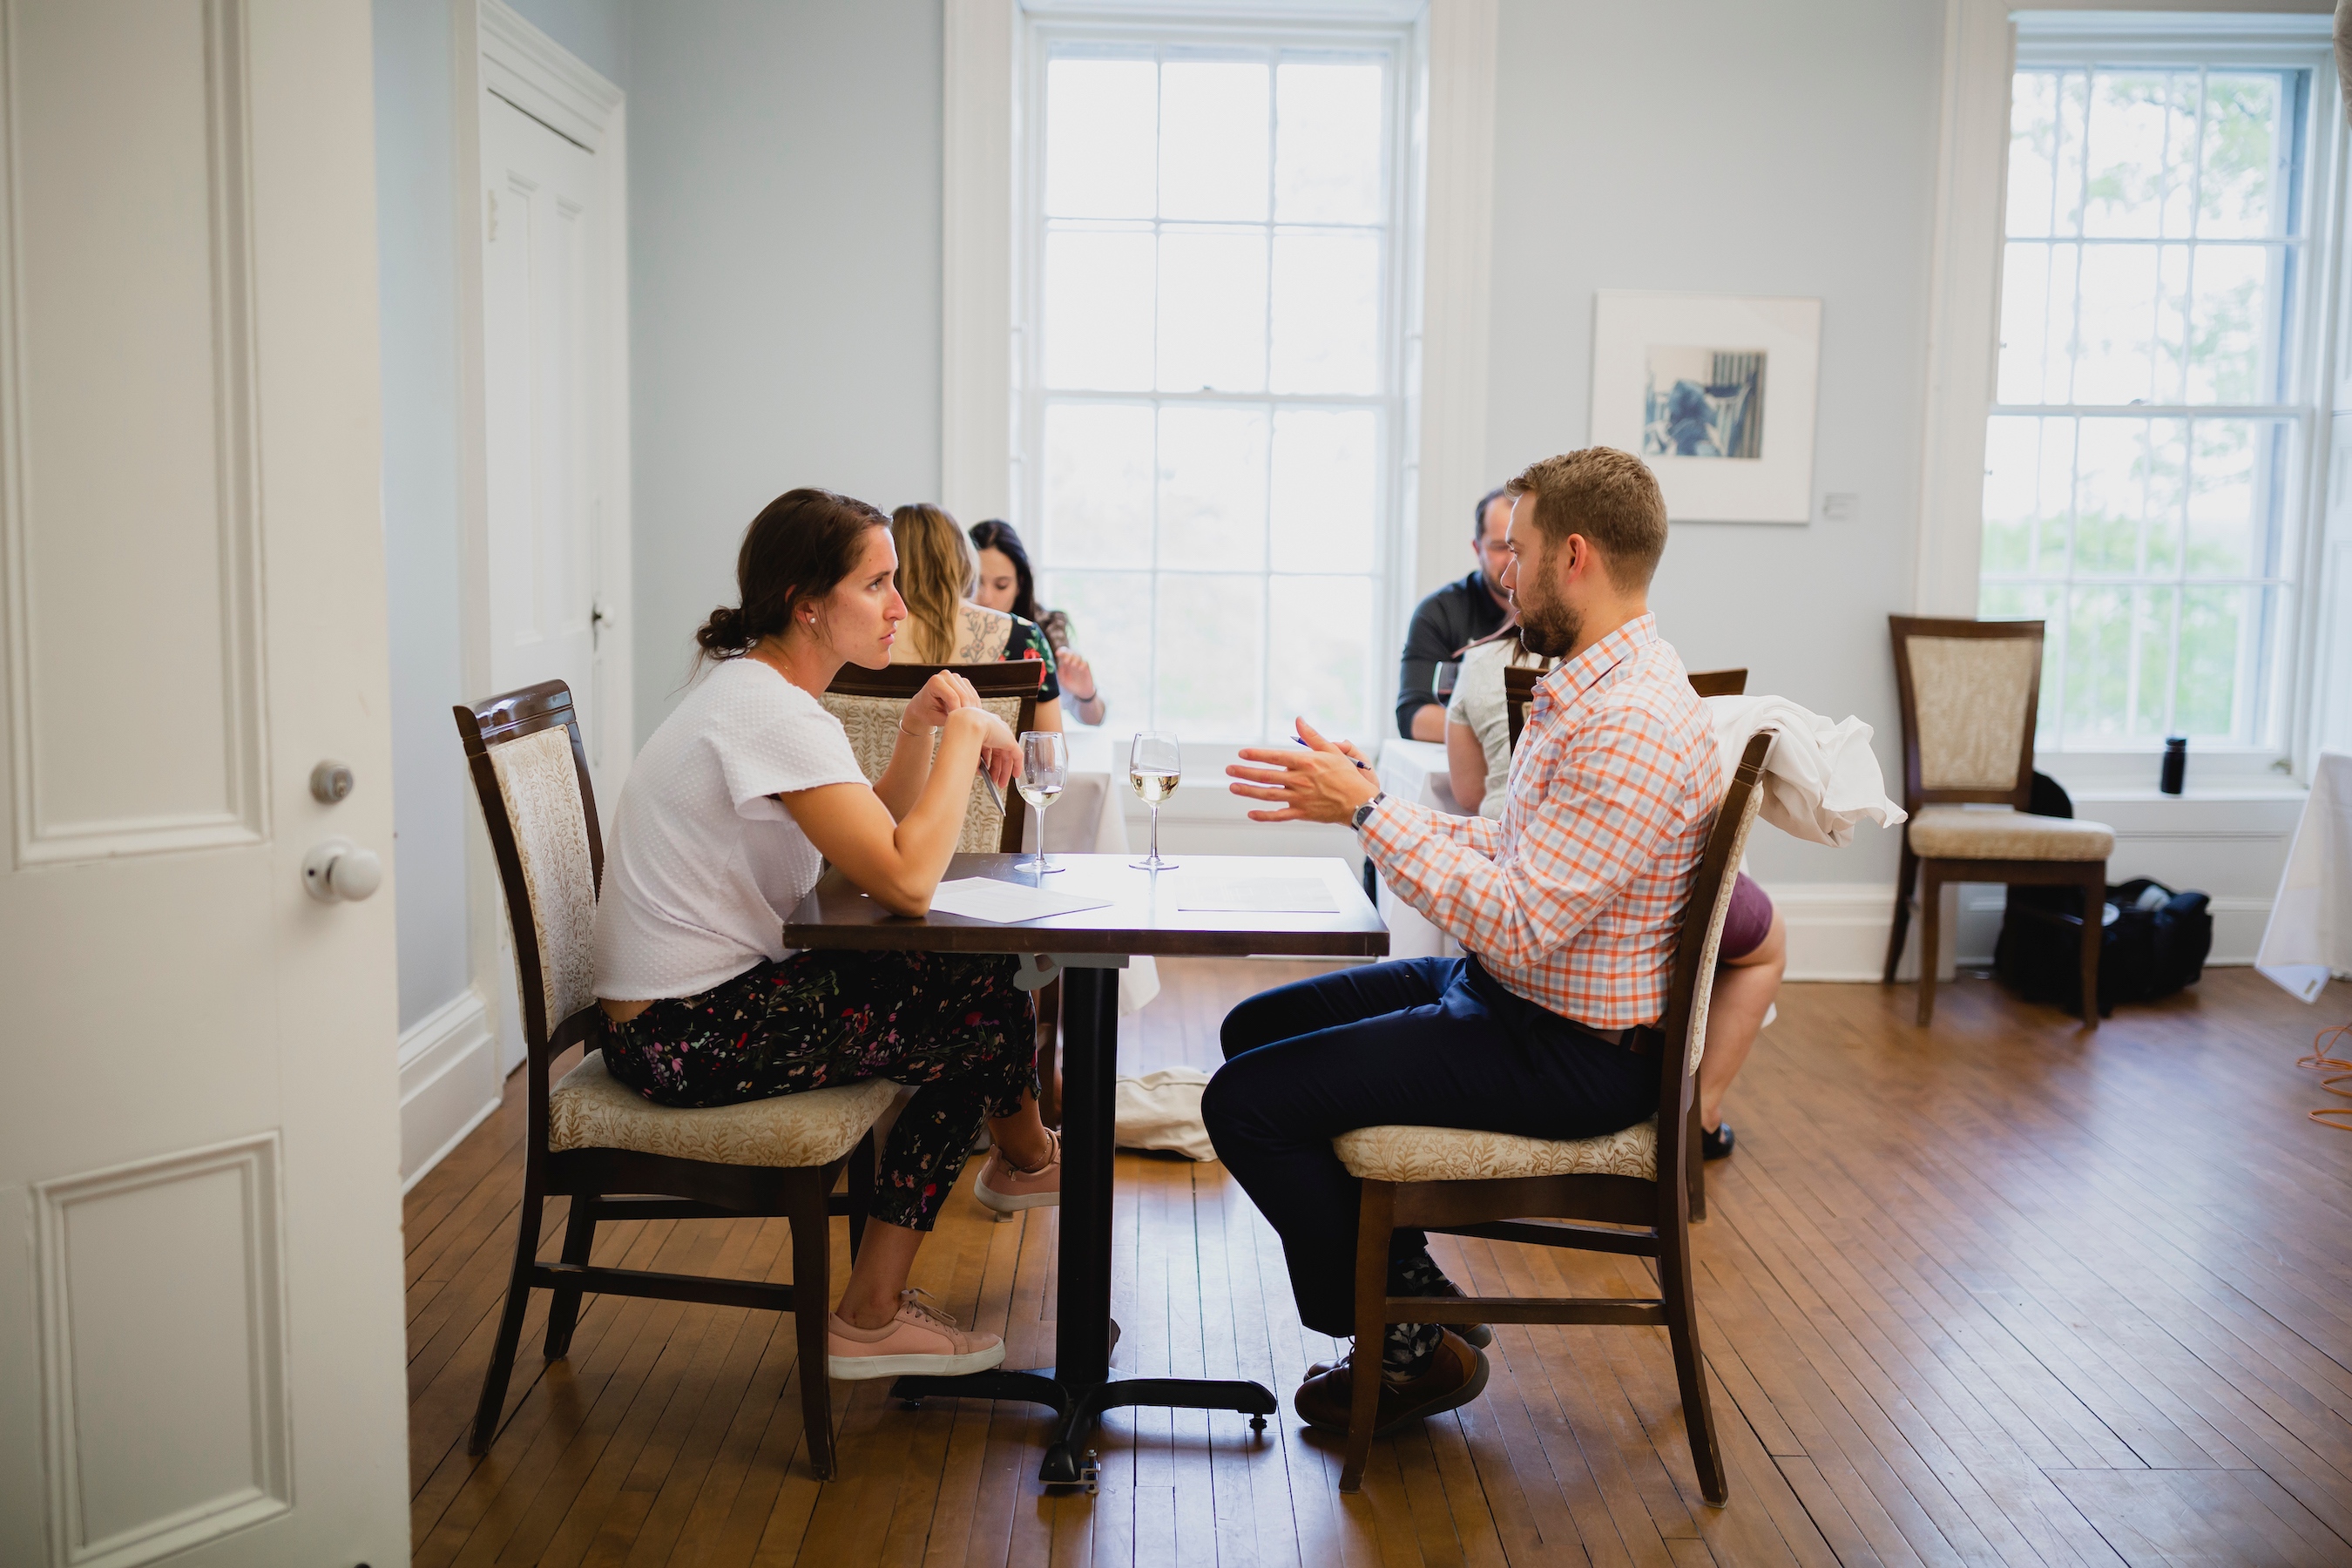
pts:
pixel 1085 949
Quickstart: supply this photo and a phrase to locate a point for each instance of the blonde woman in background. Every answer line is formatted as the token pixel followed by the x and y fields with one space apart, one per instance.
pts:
pixel 937 575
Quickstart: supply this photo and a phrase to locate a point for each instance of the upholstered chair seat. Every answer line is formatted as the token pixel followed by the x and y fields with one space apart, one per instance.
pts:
pixel 1975 833
pixel 1453 1154
pixel 590 1108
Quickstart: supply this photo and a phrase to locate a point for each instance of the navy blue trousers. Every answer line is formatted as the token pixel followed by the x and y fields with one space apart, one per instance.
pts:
pixel 1428 1042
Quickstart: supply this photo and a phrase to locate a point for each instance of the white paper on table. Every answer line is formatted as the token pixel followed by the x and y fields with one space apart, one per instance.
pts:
pixel 1258 895
pixel 1006 904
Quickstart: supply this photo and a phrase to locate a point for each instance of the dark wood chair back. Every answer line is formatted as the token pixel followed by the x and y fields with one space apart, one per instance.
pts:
pixel 869 703
pixel 1519 690
pixel 1970 694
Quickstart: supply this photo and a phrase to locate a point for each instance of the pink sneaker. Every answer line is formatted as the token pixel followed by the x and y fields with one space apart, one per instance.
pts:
pixel 1007 1188
pixel 921 1339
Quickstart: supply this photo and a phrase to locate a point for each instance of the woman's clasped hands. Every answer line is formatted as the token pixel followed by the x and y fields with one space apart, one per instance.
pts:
pixel 948 698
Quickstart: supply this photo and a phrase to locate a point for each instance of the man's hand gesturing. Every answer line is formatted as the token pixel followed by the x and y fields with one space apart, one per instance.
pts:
pixel 1326 782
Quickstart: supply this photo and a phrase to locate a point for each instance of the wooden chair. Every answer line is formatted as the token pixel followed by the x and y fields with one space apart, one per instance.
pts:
pixel 1519 695
pixel 615 1155
pixel 868 702
pixel 1970 691
pixel 1626 1193
pixel 1520 689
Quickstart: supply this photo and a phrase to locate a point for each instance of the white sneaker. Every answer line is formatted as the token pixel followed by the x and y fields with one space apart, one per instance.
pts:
pixel 921 1339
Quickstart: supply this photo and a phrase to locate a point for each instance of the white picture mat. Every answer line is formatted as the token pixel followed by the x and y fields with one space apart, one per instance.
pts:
pixel 1775 487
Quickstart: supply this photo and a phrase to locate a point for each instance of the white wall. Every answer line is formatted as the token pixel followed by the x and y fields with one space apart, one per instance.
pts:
pixel 448 1061
pixel 784 219
pixel 1725 148
pixel 418 284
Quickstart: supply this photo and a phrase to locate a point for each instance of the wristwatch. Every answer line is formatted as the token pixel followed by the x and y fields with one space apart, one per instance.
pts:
pixel 1364 812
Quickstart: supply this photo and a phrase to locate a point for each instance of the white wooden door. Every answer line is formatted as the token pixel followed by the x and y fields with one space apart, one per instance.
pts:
pixel 201 1322
pixel 539 364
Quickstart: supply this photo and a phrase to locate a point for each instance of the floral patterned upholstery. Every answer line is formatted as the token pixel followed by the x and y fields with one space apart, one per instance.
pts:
pixel 540 788
pixel 872 725
pixel 1968 833
pixel 1453 1154
pixel 1972 695
pixel 590 1108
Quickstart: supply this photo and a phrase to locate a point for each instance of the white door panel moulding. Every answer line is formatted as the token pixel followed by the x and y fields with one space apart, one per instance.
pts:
pixel 166 1410
pixel 73 514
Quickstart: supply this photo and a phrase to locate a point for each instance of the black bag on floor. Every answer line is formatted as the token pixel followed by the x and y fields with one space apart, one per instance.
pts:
pixel 2154 941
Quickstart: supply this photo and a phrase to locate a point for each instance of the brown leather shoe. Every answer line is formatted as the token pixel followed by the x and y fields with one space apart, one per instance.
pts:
pixel 1456 1375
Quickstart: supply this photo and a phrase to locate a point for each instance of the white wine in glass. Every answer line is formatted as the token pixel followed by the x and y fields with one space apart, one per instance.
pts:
pixel 1044 770
pixel 1154 764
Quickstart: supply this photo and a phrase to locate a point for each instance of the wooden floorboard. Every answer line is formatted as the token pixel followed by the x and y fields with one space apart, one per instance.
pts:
pixel 1995 1292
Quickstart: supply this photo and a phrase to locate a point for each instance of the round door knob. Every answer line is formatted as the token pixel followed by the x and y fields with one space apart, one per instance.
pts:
pixel 340 869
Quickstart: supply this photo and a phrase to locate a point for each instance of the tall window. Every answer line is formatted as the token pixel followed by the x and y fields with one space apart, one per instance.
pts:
pixel 1212 392
pixel 2145 459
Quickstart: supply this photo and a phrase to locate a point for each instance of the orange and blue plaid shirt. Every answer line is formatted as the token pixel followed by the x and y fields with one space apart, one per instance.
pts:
pixel 1574 898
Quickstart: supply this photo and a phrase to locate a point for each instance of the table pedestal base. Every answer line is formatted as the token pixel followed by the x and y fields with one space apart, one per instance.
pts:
pixel 1069 1461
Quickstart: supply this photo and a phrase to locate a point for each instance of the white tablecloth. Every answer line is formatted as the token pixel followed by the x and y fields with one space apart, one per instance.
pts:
pixel 1415 771
pixel 1089 819
pixel 2310 930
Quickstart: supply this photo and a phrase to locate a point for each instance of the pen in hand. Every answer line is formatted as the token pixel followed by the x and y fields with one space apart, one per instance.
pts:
pixel 1358 761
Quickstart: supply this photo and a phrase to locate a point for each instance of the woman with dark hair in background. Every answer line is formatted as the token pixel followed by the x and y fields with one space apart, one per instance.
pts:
pixel 1007 584
pixel 938 573
pixel 728 813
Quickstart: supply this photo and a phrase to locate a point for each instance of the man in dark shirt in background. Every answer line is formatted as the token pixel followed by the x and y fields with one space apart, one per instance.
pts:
pixel 1451 619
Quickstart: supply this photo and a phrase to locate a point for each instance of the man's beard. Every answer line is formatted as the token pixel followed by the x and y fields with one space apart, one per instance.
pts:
pixel 1547 629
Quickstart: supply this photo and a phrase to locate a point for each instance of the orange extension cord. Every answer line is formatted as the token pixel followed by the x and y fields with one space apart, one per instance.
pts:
pixel 2338 1070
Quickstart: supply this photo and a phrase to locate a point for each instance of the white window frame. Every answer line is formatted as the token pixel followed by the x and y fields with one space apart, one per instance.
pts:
pixel 1981 57
pixel 1448 294
pixel 1171 34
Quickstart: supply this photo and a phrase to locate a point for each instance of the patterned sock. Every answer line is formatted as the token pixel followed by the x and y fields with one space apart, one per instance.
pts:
pixel 1407 1349
pixel 1416 1275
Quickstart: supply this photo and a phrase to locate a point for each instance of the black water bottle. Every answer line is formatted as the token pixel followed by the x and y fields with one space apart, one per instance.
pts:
pixel 2176 763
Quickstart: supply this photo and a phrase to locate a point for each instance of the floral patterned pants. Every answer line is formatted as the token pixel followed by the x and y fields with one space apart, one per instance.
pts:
pixel 951 1025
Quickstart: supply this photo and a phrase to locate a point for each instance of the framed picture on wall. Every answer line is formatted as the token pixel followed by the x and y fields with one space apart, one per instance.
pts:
pixel 1715 392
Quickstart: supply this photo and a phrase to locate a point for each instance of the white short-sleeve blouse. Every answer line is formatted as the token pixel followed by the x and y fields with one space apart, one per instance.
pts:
pixel 703 864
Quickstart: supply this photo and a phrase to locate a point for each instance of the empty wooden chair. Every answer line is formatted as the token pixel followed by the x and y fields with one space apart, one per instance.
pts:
pixel 1626 1193
pixel 614 1153
pixel 1970 692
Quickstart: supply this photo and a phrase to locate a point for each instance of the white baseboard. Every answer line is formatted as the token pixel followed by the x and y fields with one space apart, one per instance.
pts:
pixel 1837 931
pixel 448 1082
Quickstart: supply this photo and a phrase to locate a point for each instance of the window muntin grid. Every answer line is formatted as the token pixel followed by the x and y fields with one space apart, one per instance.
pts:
pixel 1209 440
pixel 2141 459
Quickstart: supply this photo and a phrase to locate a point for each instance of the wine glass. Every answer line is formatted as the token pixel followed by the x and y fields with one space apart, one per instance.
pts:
pixel 1444 677
pixel 1044 769
pixel 1154 763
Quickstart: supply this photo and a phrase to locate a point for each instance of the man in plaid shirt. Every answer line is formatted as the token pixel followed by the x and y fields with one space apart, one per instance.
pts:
pixel 1568 907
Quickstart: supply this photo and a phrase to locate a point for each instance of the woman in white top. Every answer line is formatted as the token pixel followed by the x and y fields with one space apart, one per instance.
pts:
pixel 1478 724
pixel 728 815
